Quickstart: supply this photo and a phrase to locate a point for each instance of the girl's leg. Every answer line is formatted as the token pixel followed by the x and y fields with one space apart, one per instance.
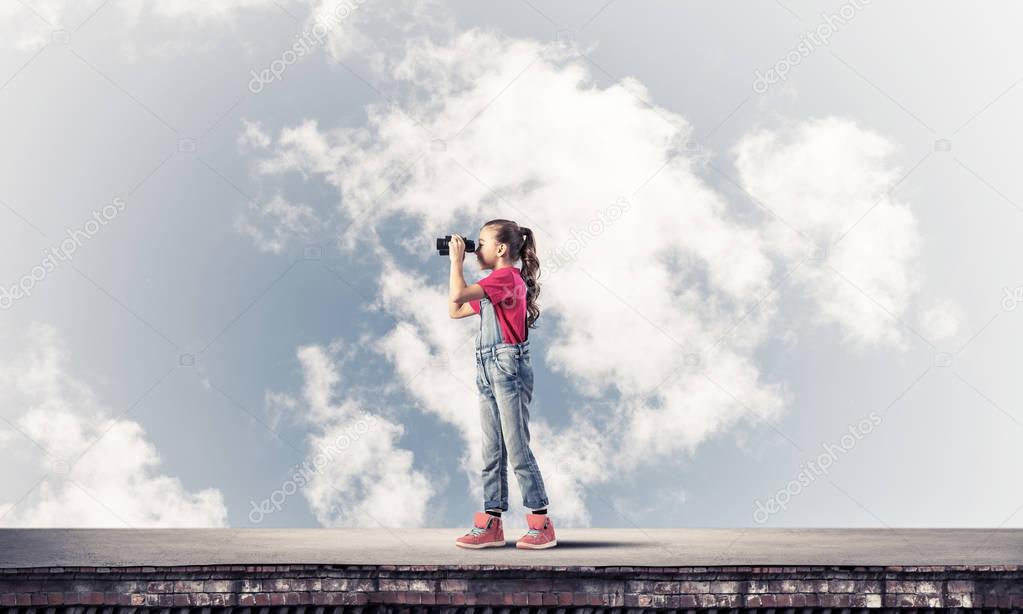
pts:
pixel 513 394
pixel 495 454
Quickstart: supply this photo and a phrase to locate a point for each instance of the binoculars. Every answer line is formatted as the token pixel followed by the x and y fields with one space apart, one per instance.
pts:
pixel 442 245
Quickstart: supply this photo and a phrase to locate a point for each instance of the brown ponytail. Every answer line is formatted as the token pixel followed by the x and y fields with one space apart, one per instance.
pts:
pixel 521 242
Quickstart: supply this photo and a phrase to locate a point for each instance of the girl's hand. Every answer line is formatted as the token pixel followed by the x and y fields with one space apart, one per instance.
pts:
pixel 456 249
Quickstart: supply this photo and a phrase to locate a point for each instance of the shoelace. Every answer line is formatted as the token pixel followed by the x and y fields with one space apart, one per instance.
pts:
pixel 477 531
pixel 536 531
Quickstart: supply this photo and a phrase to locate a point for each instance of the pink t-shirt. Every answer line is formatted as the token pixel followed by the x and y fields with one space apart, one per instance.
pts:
pixel 507 292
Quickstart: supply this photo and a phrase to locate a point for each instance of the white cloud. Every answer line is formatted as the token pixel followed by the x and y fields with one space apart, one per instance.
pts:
pixel 823 178
pixel 203 12
pixel 524 133
pixel 98 470
pixel 941 321
pixel 25 27
pixel 274 223
pixel 376 30
pixel 162 27
pixel 253 135
pixel 565 152
pixel 361 477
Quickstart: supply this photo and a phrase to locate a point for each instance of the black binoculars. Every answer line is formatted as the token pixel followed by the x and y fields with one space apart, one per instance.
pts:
pixel 442 245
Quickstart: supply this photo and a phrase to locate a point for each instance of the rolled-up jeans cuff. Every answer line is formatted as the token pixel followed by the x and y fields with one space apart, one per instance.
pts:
pixel 495 505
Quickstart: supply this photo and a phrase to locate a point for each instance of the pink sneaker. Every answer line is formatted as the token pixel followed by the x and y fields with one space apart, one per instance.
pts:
pixel 486 532
pixel 540 534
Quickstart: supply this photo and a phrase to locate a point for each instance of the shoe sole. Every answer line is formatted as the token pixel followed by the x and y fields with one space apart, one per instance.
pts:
pixel 483 545
pixel 549 544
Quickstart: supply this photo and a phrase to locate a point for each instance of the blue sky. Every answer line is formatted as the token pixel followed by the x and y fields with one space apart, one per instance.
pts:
pixel 776 243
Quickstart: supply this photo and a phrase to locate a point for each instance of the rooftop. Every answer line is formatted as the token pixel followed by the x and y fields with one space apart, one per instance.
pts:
pixel 23 548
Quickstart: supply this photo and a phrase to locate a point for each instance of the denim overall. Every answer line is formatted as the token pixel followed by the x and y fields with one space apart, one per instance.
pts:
pixel 504 378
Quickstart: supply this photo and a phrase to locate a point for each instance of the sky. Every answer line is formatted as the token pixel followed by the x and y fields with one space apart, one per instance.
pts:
pixel 776 242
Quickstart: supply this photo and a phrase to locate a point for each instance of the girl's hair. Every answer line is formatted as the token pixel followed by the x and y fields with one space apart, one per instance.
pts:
pixel 521 245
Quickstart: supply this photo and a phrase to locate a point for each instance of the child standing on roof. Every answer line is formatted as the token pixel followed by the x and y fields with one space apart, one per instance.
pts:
pixel 506 302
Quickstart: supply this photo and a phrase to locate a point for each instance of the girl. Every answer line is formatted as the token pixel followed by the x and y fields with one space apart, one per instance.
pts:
pixel 506 302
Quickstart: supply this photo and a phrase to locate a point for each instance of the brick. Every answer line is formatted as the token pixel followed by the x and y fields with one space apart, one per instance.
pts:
pixel 958 600
pixel 339 598
pixel 788 586
pixel 421 585
pixel 693 587
pixel 641 586
pixel 393 584
pixel 840 586
pixel 277 585
pixel 250 585
pixel 219 586
pixel 961 586
pixel 160 587
pixel 724 587
pixel 454 585
pixel 188 586
pixel 538 585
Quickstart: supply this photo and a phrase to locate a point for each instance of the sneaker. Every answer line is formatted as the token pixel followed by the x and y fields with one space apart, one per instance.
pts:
pixel 485 533
pixel 540 534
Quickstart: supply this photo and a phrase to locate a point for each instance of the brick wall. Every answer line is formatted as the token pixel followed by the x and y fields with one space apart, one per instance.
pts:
pixel 510 588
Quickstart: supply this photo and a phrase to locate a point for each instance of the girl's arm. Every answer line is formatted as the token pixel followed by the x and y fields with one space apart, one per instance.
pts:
pixel 463 311
pixel 459 292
